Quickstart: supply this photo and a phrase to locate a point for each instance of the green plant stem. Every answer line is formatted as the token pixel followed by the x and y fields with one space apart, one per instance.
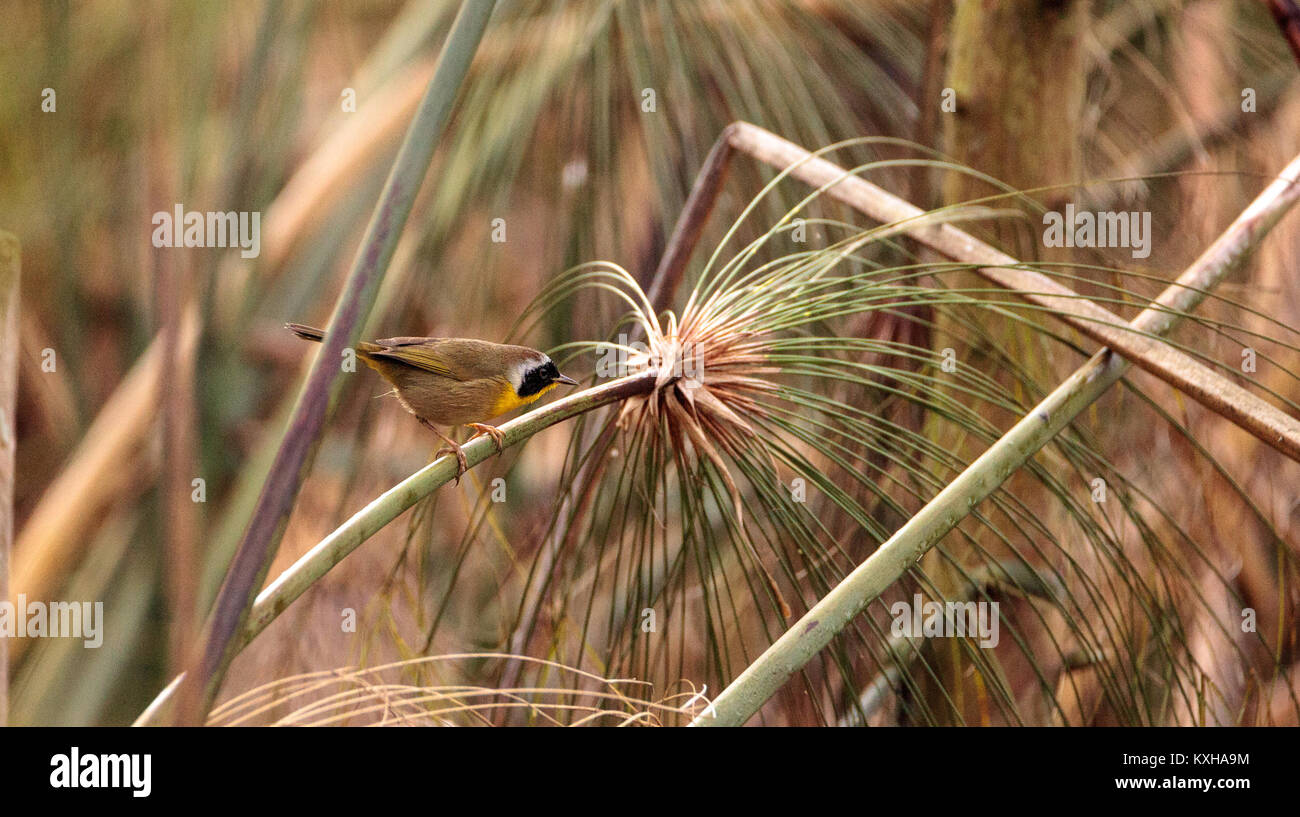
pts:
pixel 797 646
pixel 331 550
pixel 219 642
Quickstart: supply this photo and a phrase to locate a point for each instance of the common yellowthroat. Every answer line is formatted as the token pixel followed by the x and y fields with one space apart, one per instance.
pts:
pixel 456 381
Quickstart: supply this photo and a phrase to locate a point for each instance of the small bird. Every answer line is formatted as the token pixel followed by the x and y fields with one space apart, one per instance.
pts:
pixel 456 381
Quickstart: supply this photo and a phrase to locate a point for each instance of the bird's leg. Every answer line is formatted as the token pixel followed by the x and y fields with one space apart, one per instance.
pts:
pixel 491 431
pixel 450 448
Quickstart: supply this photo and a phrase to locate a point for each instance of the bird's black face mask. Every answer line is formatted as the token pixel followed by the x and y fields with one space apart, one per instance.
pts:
pixel 538 378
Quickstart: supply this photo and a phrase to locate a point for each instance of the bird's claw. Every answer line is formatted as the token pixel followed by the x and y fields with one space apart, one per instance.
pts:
pixel 491 431
pixel 462 465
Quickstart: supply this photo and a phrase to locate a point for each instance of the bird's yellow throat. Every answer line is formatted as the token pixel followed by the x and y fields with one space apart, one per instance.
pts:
pixel 510 400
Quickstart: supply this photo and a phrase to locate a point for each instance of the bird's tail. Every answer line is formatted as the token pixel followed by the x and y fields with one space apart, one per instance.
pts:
pixel 364 349
pixel 305 332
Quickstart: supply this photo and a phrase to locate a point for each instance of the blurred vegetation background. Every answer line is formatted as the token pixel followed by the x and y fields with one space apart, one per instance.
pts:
pixel 171 365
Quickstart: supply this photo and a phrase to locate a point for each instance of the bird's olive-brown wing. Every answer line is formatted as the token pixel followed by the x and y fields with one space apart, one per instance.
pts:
pixel 456 358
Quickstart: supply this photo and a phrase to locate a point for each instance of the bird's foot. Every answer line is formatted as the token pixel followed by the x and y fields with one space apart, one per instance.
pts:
pixel 462 465
pixel 491 431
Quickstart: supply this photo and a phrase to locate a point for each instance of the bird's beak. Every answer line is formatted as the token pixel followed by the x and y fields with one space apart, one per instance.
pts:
pixel 564 378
